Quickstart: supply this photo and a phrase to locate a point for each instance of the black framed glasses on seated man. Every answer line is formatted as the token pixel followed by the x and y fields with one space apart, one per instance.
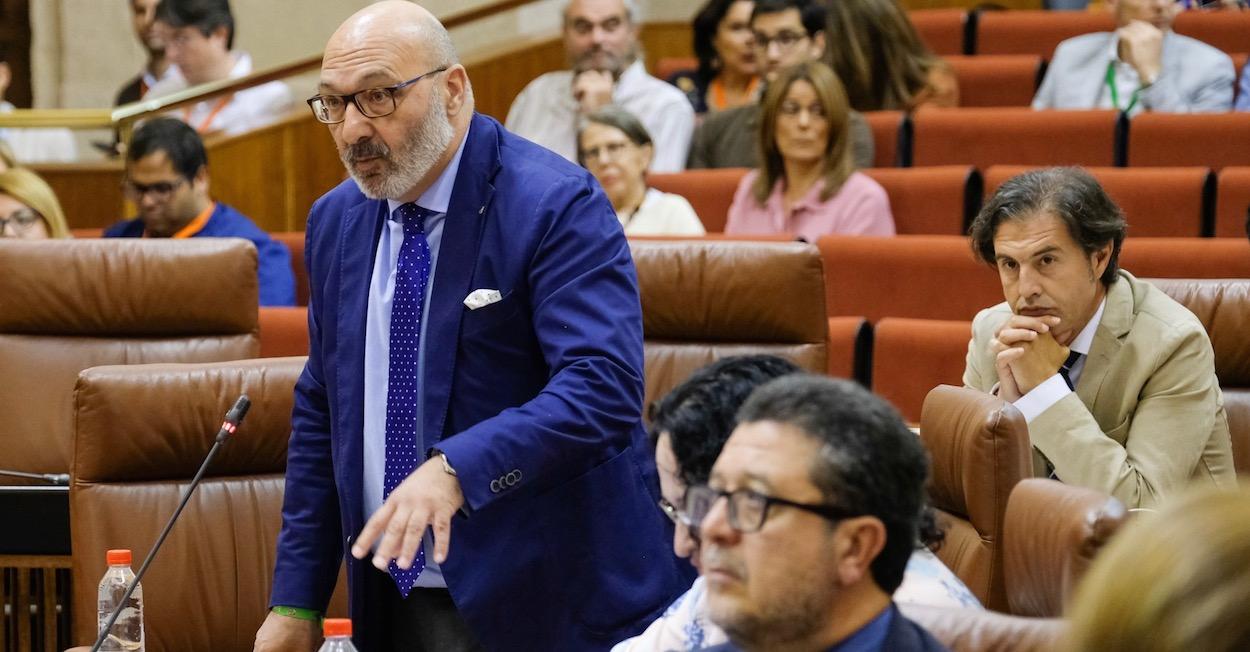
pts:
pixel 161 190
pixel 372 102
pixel 749 509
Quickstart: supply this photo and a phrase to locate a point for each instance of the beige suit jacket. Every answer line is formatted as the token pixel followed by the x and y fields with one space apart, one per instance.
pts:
pixel 1147 417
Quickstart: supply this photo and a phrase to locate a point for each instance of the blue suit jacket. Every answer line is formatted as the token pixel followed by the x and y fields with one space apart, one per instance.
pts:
pixel 276 280
pixel 536 400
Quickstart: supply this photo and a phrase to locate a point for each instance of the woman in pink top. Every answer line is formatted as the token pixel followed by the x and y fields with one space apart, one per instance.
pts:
pixel 807 184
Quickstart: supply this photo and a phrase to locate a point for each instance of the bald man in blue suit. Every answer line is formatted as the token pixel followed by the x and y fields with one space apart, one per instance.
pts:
pixel 532 507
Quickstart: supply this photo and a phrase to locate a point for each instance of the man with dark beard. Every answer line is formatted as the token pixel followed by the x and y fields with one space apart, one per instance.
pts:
pixel 601 44
pixel 475 365
pixel 158 66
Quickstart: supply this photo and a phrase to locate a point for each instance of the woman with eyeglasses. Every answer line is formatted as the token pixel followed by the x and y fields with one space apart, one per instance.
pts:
pixel 806 183
pixel 689 426
pixel 727 75
pixel 617 150
pixel 28 207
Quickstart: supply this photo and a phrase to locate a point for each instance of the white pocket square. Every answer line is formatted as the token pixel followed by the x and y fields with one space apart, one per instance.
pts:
pixel 480 298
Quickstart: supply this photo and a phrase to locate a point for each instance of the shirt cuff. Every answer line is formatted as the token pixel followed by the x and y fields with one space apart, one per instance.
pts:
pixel 1051 391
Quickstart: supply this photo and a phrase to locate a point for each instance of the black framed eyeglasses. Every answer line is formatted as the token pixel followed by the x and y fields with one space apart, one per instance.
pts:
pixel 21 220
pixel 372 102
pixel 749 509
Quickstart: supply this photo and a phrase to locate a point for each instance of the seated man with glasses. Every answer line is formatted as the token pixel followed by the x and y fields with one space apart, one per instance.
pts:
pixel 167 180
pixel 808 519
pixel 689 427
pixel 787 33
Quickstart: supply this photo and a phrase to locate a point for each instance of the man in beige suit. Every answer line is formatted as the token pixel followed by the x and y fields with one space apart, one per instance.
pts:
pixel 1116 380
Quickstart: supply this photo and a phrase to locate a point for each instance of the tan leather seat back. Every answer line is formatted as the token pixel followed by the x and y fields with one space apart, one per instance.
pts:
pixel 704 300
pixel 141 433
pixel 1051 534
pixel 1223 307
pixel 980 449
pixel 69 305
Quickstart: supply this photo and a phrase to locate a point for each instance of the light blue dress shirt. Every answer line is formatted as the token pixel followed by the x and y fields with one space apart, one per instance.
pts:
pixel 378 341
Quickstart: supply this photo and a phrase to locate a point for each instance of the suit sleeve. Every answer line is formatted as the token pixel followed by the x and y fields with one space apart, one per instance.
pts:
pixel 1214 94
pixel 977 374
pixel 863 149
pixel 1163 438
pixel 1243 90
pixel 699 156
pixel 588 320
pixel 310 544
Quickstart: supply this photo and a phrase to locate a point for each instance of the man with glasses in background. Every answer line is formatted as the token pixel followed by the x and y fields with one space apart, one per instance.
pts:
pixel 167 180
pixel 787 33
pixel 809 518
pixel 601 44
pixel 468 426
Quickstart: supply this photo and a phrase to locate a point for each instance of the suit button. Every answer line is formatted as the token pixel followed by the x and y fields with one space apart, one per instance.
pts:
pixel 494 486
pixel 513 477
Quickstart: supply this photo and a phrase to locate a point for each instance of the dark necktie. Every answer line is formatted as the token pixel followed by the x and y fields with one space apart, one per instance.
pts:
pixel 403 448
pixel 1066 369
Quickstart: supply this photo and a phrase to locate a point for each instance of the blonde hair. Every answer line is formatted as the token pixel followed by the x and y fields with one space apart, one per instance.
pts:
pixel 1178 579
pixel 7 159
pixel 837 162
pixel 28 188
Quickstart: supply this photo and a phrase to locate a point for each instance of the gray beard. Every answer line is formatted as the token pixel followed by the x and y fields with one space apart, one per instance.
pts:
pixel 407 164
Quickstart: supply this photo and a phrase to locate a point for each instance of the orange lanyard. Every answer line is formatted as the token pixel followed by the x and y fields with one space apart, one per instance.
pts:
pixel 717 88
pixel 208 121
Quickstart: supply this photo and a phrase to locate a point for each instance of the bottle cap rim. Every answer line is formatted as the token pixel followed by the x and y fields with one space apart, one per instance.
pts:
pixel 337 627
pixel 118 557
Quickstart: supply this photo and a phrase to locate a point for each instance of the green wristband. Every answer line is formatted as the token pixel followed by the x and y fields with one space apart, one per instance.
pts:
pixel 296 612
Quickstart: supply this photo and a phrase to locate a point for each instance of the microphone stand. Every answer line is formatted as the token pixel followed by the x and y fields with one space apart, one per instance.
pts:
pixel 227 428
pixel 58 479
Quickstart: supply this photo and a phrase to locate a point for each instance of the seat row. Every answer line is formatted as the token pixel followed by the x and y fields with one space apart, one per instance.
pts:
pixel 988 136
pixel 943 199
pixel 981 32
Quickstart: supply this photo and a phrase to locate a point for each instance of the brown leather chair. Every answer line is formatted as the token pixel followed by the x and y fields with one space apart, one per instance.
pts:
pixel 1232 201
pixel 1223 307
pixel 704 299
pixel 209 587
pixel 979 447
pixel 1051 533
pixel 972 630
pixel 69 305
pixel 1224 30
pixel 294 240
pixel 1214 140
pixel 941 30
pixel 889 146
pixel 283 331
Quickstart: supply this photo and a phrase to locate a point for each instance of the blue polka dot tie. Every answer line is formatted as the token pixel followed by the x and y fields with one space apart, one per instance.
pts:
pixel 403 446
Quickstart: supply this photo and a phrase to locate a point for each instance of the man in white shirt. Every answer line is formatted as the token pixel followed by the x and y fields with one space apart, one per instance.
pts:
pixel 601 42
pixel 1115 379
pixel 199 35
pixel 1142 66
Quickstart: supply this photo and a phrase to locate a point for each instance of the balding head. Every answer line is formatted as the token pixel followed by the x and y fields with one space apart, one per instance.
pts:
pixel 406 27
pixel 397 141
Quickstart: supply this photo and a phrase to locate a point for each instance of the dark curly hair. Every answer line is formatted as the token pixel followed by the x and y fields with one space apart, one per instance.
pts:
pixel 869 462
pixel 698 415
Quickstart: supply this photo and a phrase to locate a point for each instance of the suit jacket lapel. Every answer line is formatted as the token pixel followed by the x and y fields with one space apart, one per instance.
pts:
pixel 457 259
pixel 1117 319
pixel 1096 81
pixel 358 244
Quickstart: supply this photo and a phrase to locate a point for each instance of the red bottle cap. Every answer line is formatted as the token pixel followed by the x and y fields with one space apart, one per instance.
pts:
pixel 337 627
pixel 118 557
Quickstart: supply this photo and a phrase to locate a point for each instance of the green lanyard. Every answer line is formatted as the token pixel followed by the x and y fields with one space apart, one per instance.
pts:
pixel 1115 93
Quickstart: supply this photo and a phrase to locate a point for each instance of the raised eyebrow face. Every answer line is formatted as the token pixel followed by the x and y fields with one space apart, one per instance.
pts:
pixel 372 79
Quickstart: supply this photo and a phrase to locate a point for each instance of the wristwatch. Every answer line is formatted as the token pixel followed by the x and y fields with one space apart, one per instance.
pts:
pixel 446 465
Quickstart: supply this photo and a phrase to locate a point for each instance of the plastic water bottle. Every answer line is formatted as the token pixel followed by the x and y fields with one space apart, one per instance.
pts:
pixel 338 633
pixel 127 632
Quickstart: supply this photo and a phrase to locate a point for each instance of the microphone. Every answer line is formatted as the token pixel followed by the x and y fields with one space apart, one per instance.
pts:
pixel 58 479
pixel 231 423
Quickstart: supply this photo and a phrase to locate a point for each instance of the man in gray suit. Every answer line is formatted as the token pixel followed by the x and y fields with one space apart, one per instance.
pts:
pixel 1142 66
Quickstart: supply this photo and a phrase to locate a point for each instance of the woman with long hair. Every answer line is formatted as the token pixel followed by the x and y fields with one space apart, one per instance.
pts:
pixel 726 76
pixel 806 183
pixel 28 207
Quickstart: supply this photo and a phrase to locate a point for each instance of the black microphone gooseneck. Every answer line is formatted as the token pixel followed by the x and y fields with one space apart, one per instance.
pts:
pixel 58 479
pixel 233 418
